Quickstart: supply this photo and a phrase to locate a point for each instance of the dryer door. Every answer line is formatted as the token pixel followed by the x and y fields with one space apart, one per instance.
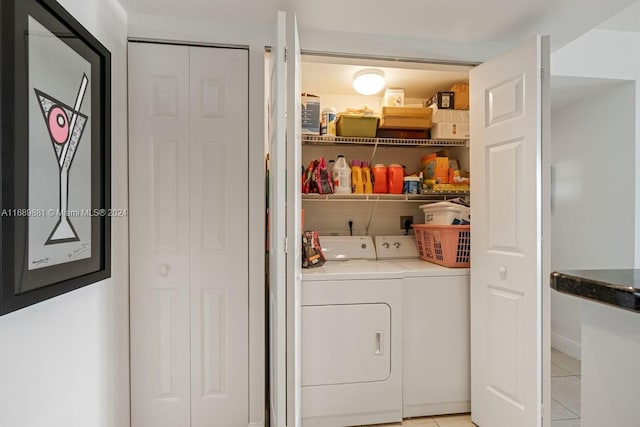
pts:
pixel 343 344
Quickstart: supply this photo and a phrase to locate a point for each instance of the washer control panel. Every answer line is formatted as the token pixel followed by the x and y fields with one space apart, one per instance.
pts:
pixel 396 247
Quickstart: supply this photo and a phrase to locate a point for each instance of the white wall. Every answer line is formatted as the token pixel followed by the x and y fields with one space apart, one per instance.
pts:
pixel 600 54
pixel 593 175
pixel 609 55
pixel 65 362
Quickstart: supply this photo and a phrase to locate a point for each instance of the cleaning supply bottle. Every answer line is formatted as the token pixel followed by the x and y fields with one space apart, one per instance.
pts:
pixel 330 168
pixel 357 184
pixel 395 178
pixel 379 179
pixel 341 176
pixel 366 178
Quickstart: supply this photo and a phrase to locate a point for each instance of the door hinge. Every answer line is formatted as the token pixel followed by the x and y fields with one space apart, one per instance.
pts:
pixel 286 245
pixel 541 73
pixel 286 54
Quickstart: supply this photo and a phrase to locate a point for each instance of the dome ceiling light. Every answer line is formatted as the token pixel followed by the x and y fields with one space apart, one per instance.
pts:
pixel 368 81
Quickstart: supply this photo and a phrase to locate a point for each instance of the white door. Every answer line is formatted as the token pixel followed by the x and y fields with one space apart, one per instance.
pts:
pixel 189 211
pixel 284 226
pixel 508 98
pixel 218 219
pixel 335 354
pixel 159 235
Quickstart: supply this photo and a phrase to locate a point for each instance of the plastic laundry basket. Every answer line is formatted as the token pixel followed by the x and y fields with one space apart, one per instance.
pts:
pixel 447 245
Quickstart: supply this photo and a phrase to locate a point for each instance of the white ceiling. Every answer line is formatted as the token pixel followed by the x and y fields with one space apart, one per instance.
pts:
pixel 626 20
pixel 473 21
pixel 322 75
pixel 499 21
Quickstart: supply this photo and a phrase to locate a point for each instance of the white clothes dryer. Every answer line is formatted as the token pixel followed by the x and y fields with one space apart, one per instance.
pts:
pixel 351 337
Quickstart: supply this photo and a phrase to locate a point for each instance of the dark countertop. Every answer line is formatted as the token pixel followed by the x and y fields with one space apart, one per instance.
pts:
pixel 619 288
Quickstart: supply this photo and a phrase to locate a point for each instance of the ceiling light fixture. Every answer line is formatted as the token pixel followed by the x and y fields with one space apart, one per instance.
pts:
pixel 368 81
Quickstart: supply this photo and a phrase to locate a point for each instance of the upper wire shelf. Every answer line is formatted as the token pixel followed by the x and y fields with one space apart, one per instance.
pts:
pixel 348 140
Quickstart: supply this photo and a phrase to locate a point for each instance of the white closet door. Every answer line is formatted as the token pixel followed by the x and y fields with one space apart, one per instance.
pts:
pixel 189 239
pixel 159 236
pixel 284 226
pixel 219 237
pixel 509 100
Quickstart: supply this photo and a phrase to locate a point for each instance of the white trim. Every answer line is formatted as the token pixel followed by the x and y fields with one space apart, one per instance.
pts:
pixel 566 346
pixel 256 425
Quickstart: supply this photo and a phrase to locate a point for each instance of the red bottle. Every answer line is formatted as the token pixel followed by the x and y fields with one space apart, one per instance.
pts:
pixel 379 179
pixel 395 179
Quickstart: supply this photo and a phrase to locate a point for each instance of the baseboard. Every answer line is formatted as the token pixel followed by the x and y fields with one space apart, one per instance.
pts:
pixel 566 346
pixel 259 424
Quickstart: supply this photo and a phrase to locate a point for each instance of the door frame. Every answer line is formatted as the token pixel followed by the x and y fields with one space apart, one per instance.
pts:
pixel 545 375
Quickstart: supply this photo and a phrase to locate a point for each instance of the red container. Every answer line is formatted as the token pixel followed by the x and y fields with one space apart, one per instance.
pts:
pixel 395 179
pixel 379 179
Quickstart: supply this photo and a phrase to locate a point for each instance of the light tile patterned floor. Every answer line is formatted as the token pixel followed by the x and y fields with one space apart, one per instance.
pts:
pixel 462 420
pixel 565 399
pixel 565 390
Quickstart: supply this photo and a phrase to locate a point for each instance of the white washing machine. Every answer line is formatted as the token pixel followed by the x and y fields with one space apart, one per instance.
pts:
pixel 351 337
pixel 436 333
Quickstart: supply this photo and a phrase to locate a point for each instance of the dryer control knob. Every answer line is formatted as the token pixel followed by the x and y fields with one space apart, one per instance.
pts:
pixel 385 245
pixel 396 245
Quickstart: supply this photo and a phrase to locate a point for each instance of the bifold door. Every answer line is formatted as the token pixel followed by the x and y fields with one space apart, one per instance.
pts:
pixel 188 150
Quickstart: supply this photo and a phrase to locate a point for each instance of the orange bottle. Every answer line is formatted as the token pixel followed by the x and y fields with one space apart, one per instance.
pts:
pixel 380 179
pixel 395 179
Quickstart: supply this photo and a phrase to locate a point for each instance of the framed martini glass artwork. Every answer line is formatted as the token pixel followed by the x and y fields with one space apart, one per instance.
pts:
pixel 55 154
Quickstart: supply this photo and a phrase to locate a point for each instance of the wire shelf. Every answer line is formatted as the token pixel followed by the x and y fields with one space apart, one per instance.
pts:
pixel 343 140
pixel 431 196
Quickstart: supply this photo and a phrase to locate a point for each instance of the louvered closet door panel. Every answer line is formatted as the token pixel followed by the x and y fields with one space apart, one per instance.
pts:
pixel 219 238
pixel 159 236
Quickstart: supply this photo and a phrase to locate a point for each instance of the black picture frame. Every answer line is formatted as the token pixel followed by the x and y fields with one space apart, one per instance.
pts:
pixel 79 135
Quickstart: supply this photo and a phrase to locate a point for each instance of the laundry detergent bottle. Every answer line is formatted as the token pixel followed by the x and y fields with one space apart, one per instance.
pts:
pixel 341 176
pixel 366 178
pixel 379 179
pixel 357 184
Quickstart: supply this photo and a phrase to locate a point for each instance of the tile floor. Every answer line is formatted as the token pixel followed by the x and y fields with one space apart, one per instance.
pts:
pixel 462 420
pixel 565 390
pixel 565 399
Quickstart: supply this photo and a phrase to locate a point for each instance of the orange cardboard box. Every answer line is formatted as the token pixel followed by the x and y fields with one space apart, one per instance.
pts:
pixel 461 96
pixel 442 170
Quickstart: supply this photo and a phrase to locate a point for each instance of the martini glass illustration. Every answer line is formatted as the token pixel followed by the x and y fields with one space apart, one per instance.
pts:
pixel 65 125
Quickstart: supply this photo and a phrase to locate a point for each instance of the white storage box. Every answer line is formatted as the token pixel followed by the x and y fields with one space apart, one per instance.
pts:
pixel 450 116
pixel 450 131
pixel 444 213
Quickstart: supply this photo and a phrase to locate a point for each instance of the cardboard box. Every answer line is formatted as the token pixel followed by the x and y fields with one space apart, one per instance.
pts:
pixel 450 131
pixel 418 118
pixel 442 170
pixel 393 98
pixel 403 133
pixel 443 100
pixel 461 96
pixel 436 168
pixel 310 114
